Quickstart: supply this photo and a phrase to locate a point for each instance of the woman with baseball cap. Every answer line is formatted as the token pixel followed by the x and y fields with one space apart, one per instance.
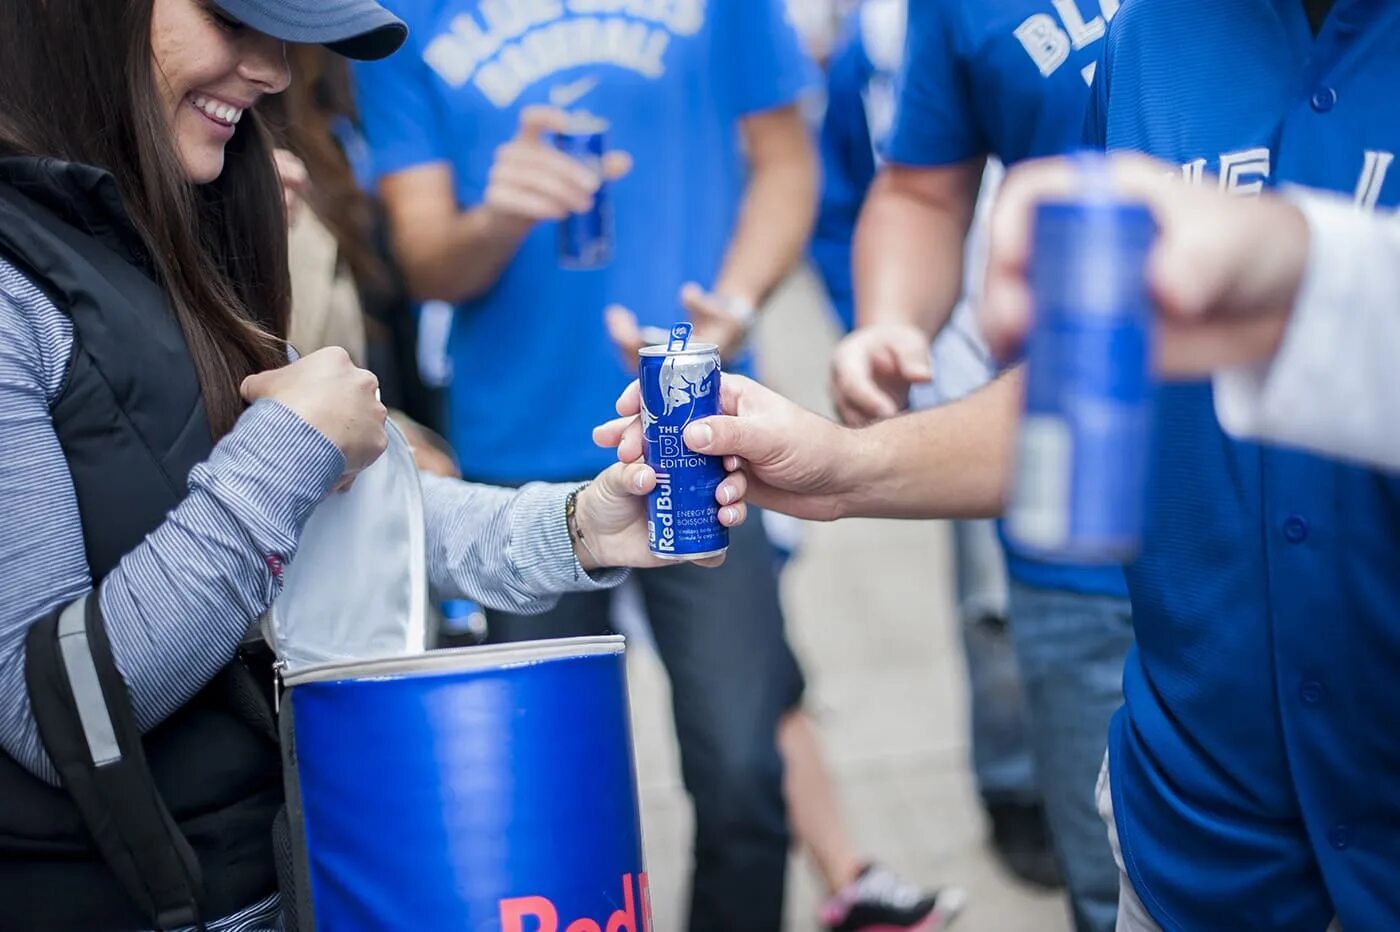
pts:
pixel 159 458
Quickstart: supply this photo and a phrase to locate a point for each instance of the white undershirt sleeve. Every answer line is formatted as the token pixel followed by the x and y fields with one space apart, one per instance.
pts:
pixel 1334 386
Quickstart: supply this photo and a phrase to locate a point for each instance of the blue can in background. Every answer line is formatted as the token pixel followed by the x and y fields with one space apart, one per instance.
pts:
pixel 680 385
pixel 585 239
pixel 1085 438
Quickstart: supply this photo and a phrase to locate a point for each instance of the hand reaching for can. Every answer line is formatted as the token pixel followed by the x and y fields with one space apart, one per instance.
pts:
pixel 874 368
pixel 530 181
pixel 793 460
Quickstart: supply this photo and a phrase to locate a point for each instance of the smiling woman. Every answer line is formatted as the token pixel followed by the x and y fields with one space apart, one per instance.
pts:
pixel 160 456
pixel 211 68
pixel 120 101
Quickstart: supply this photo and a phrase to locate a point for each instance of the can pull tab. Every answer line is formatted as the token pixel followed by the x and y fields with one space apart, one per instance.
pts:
pixel 680 337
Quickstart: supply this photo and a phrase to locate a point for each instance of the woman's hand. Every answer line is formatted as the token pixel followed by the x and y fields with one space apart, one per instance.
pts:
pixel 330 393
pixel 610 524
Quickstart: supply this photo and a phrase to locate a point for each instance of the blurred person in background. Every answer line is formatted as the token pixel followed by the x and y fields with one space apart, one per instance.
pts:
pixel 860 114
pixel 346 290
pixel 712 189
pixel 1005 79
pixel 1253 545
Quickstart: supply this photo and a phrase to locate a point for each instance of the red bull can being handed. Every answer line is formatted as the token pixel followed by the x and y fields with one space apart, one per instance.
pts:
pixel 1083 451
pixel 680 385
pixel 585 239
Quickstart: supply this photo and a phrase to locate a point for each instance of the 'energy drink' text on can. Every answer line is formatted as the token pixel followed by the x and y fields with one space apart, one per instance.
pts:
pixel 1083 451
pixel 585 239
pixel 680 385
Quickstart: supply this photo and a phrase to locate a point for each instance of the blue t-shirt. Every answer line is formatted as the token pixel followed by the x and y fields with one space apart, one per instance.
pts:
pixel 1004 78
pixel 534 369
pixel 1256 763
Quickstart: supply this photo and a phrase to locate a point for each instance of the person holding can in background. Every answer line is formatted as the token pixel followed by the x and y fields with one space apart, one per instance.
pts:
pixel 1005 80
pixel 709 178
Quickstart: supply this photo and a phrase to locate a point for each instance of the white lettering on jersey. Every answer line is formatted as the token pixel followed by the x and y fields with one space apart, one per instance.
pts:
pixel 680 17
pixel 1244 172
pixel 1087 73
pixel 1049 46
pixel 1373 172
pixel 1194 172
pixel 508 45
pixel 1080 32
pixel 1045 42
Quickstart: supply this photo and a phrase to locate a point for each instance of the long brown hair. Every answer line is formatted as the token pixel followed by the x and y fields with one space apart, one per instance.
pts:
pixel 78 83
pixel 303 119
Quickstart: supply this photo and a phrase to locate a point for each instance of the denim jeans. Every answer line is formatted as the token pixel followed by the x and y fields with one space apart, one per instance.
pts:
pixel 1001 753
pixel 1071 648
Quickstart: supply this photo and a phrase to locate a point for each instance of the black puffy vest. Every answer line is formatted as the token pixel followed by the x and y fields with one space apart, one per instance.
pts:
pixel 132 424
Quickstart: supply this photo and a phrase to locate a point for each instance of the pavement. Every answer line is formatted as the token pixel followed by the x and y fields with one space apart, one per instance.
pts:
pixel 870 612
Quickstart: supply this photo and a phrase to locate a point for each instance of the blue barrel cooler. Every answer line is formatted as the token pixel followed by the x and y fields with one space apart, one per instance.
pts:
pixel 485 788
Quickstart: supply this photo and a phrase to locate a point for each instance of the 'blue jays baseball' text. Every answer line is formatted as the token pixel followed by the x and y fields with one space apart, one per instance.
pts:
pixel 507 45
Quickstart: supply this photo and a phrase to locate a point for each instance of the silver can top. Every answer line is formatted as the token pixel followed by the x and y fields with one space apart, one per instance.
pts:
pixel 694 349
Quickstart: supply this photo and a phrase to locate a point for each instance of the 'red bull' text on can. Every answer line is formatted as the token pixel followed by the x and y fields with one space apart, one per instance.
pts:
pixel 585 239
pixel 680 385
pixel 1083 451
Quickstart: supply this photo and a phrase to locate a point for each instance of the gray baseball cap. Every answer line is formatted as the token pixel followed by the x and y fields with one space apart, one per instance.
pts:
pixel 354 28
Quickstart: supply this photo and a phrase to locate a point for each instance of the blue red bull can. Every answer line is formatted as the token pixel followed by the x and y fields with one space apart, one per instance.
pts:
pixel 1084 445
pixel 680 385
pixel 585 239
pixel 480 788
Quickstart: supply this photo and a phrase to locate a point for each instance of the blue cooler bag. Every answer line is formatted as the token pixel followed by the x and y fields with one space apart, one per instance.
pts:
pixel 486 788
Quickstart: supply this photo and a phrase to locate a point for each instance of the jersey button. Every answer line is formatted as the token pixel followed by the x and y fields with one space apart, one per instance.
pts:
pixel 1311 692
pixel 1324 99
pixel 1339 837
pixel 1295 529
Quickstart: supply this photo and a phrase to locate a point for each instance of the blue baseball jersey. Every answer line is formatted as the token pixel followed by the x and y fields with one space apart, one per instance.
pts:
pixel 533 367
pixel 1256 763
pixel 1004 78
pixel 1008 78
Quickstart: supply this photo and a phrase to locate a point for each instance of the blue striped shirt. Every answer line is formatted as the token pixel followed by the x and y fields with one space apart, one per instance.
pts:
pixel 177 606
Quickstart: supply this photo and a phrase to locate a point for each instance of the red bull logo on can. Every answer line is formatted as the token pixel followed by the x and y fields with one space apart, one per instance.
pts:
pixel 661 528
pixel 541 914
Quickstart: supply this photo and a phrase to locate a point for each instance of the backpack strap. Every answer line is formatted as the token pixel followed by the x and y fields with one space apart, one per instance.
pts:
pixel 89 731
